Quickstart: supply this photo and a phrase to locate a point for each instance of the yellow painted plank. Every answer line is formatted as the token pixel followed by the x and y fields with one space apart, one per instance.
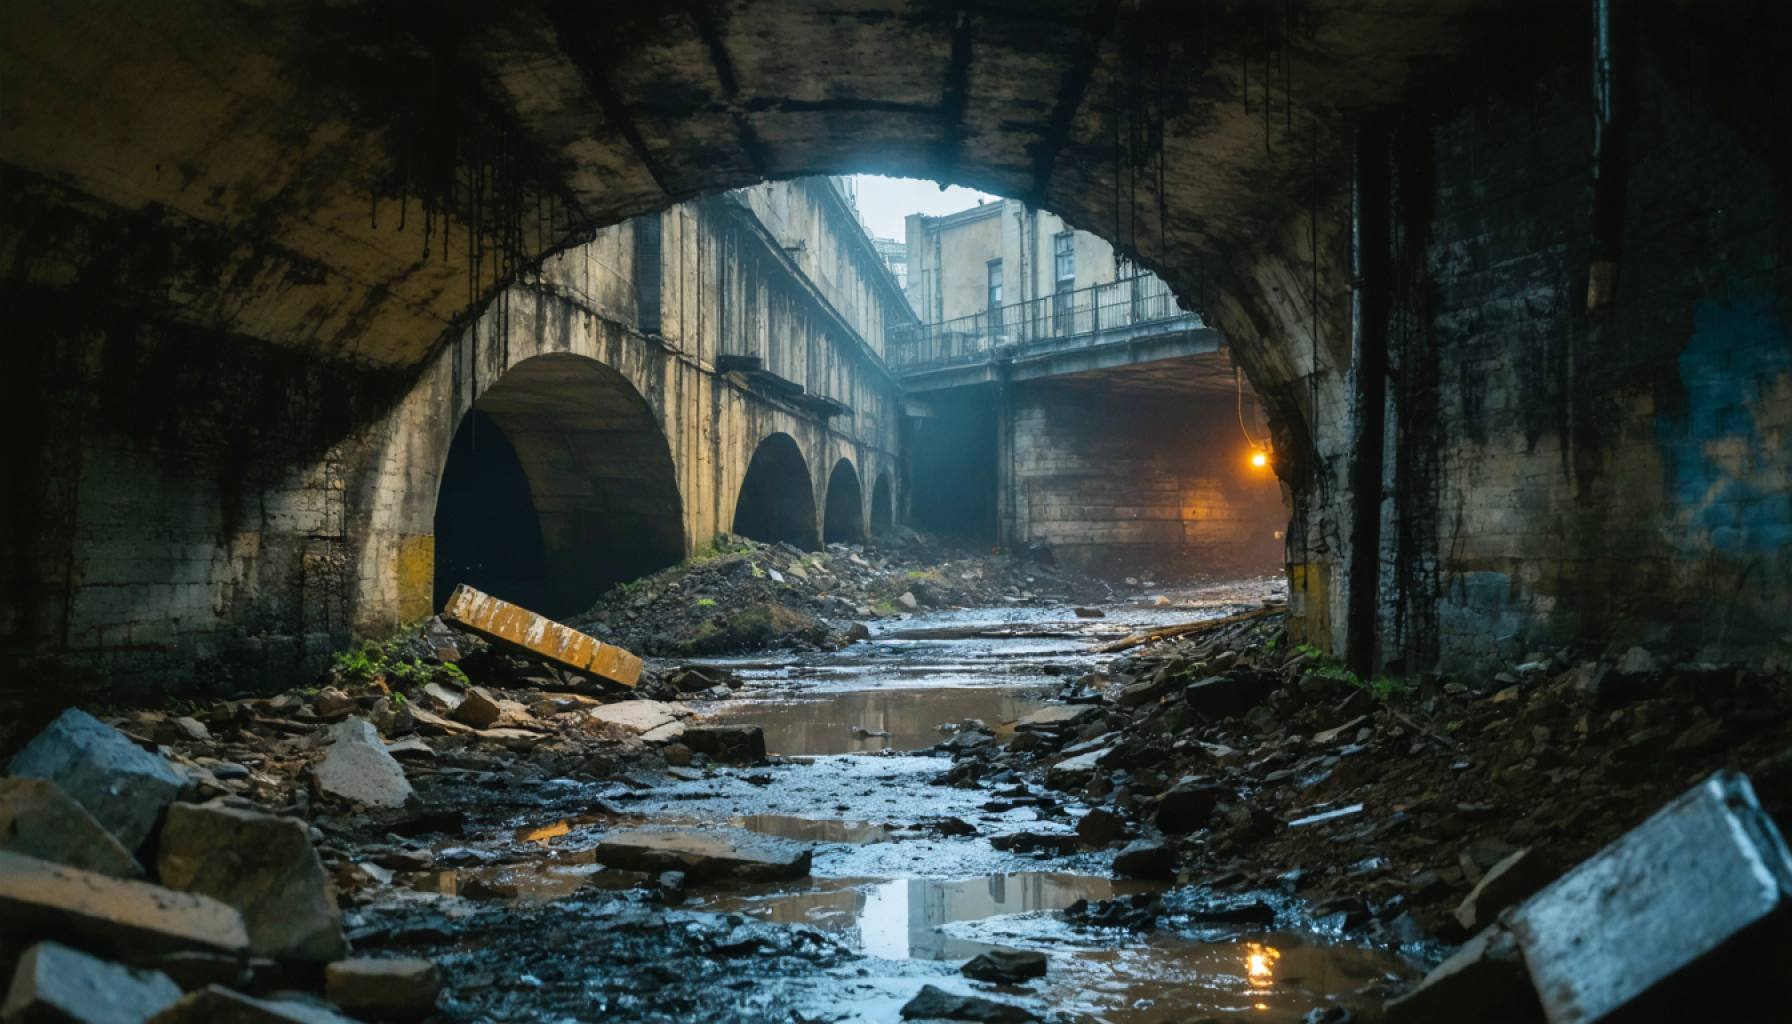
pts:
pixel 500 620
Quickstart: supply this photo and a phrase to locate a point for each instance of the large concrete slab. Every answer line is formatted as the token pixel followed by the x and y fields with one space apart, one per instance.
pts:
pixel 508 623
pixel 711 854
pixel 55 983
pixel 39 820
pixel 651 720
pixel 1693 901
pixel 41 899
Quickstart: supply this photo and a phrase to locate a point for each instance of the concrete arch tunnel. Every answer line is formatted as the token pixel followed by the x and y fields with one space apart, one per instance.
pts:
pixel 883 506
pixel 558 484
pixel 291 197
pixel 777 497
pixel 843 513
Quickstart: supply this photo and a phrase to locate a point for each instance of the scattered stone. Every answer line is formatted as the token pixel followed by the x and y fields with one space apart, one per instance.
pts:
pixel 1145 858
pixel 1100 827
pixel 444 698
pixel 1005 966
pixel 1485 982
pixel 215 1004
pixel 1189 805
pixel 478 708
pixel 39 820
pixel 358 769
pixel 1089 613
pixel 708 855
pixel 907 600
pixel 124 787
pixel 1073 772
pixel 727 744
pixel 1053 717
pixel 263 866
pixel 1505 884
pixel 402 989
pixel 1635 663
pixel 55 983
pixel 938 1004
pixel 331 701
pixel 109 914
pixel 1223 696
pixel 650 720
pixel 190 729
pixel 1051 843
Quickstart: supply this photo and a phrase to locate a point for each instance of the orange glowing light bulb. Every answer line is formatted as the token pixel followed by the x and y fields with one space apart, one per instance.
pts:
pixel 1259 459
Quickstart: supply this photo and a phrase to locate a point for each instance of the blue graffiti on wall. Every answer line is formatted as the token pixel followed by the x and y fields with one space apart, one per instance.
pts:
pixel 1727 469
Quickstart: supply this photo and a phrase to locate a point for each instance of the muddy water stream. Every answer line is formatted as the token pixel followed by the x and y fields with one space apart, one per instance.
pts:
pixel 852 731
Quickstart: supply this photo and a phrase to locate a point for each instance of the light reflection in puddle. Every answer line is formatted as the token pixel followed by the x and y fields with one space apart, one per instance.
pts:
pixel 826 723
pixel 813 830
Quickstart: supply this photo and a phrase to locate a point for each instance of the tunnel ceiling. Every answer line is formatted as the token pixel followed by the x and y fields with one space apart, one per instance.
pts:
pixel 282 170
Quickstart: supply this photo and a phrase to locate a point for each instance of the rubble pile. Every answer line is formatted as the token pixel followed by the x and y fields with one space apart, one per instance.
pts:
pixel 743 595
pixel 1409 814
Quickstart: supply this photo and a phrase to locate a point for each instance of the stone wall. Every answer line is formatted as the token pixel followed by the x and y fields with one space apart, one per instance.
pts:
pixel 1116 480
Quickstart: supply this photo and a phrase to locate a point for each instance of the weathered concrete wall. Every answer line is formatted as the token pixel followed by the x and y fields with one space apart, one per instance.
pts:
pixel 1115 480
pixel 214 506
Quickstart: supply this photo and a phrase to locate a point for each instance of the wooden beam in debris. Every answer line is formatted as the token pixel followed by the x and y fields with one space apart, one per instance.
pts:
pixel 1187 629
pixel 507 623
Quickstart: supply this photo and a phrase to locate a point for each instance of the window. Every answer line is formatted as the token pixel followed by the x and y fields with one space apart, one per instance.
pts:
pixel 647 273
pixel 995 285
pixel 1064 259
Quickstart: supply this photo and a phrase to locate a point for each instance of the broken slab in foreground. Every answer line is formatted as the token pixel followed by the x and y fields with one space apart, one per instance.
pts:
pixel 1696 900
pixel 507 623
pixel 41 899
pixel 711 854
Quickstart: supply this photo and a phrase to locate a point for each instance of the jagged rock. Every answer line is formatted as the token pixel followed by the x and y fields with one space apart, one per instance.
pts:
pixel 262 865
pixel 109 914
pixel 1005 966
pixel 707 855
pixel 1222 696
pixel 727 744
pixel 478 708
pixel 443 697
pixel 1189 805
pixel 937 1004
pixel 123 786
pixel 402 989
pixel 55 983
pixel 358 769
pixel 908 600
pixel 39 820
pixel 1075 771
pixel 1505 884
pixel 1145 858
pixel 1636 662
pixel 1052 843
pixel 1485 982
pixel 190 729
pixel 1055 716
pixel 215 1004
pixel 331 701
pixel 1100 827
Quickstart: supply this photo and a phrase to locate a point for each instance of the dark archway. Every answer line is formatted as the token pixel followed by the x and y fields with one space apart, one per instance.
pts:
pixel 558 485
pixel 883 506
pixel 777 498
pixel 843 520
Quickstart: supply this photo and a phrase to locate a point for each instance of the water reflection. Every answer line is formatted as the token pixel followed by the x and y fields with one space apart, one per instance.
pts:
pixel 826 723
pixel 813 830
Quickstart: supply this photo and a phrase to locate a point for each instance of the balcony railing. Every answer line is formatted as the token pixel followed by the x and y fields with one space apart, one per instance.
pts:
pixel 1097 314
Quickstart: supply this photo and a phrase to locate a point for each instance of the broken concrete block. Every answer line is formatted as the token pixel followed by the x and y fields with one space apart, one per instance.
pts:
pixel 1075 771
pixel 727 744
pixel 123 786
pixel 55 983
pixel 262 865
pixel 652 720
pixel 478 708
pixel 444 698
pixel 1222 696
pixel 1005 966
pixel 1055 716
pixel 507 623
pixel 711 854
pixel 401 989
pixel 1692 901
pixel 1485 982
pixel 39 820
pixel 1505 884
pixel 1189 805
pixel 215 1004
pixel 38 898
pixel 358 769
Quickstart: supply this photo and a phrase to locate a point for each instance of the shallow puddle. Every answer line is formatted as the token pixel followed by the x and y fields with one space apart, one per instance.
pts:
pixel 861 721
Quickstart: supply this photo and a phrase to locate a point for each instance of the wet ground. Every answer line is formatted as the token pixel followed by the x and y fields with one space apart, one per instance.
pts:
pixel 898 896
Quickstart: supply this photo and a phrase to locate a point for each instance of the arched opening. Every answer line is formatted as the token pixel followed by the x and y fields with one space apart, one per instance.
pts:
pixel 843 521
pixel 777 498
pixel 558 485
pixel 883 506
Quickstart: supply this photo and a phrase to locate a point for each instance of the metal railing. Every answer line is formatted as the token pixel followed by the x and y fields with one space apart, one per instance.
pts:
pixel 1093 315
